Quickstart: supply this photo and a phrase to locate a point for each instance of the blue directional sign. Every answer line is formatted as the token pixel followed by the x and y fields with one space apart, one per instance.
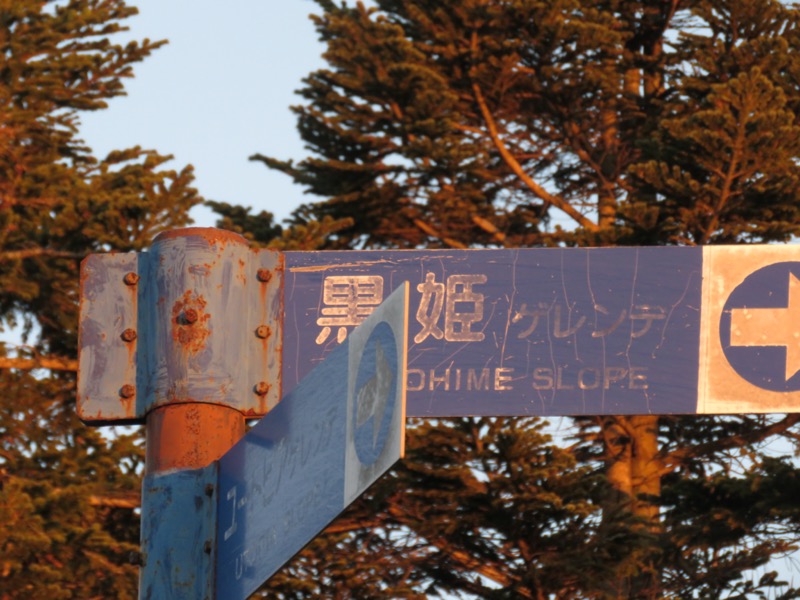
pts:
pixel 311 456
pixel 565 331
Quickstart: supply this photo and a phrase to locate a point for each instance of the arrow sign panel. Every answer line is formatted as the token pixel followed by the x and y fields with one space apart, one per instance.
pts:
pixel 317 451
pixel 566 331
pixel 772 327
pixel 750 330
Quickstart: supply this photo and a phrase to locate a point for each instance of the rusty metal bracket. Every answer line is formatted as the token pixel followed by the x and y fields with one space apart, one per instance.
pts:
pixel 198 319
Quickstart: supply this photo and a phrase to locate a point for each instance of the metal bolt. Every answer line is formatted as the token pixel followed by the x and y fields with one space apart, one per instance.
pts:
pixel 209 489
pixel 127 391
pixel 262 388
pixel 131 279
pixel 128 335
pixel 190 316
pixel 264 275
pixel 207 547
pixel 263 332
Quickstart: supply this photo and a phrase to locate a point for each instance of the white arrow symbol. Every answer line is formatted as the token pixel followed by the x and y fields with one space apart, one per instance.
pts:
pixel 771 327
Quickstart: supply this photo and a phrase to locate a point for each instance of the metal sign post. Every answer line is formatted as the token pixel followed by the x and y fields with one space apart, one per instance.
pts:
pixel 185 339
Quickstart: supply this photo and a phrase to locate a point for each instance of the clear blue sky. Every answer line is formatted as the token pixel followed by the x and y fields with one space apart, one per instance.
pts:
pixel 219 92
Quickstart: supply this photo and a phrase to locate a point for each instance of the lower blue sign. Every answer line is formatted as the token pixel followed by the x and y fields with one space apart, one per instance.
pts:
pixel 312 455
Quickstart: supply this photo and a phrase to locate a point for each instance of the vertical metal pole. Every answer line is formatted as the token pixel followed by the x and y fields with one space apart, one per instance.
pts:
pixel 197 278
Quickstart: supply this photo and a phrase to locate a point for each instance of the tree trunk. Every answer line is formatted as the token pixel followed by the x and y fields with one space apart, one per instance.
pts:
pixel 633 470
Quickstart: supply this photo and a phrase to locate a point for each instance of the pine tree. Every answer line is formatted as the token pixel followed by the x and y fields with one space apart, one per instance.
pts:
pixel 67 493
pixel 473 123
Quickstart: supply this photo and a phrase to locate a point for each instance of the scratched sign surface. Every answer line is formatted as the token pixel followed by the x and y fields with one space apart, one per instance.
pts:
pixel 514 332
pixel 567 331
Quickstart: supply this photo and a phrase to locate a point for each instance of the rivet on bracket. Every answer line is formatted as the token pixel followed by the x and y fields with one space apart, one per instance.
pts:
pixel 262 388
pixel 128 335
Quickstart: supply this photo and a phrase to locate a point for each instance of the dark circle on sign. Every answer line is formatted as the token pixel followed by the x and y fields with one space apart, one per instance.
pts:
pixel 372 415
pixel 763 366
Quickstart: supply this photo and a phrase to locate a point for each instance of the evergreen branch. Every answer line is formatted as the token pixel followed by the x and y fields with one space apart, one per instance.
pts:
pixel 433 233
pixel 130 501
pixel 725 193
pixel 11 255
pixel 348 526
pixel 461 557
pixel 409 138
pixel 489 228
pixel 54 363
pixel 573 139
pixel 468 129
pixel 677 458
pixel 10 200
pixel 514 165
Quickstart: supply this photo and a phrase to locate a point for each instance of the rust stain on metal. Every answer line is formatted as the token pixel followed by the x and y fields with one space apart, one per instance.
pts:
pixel 264 334
pixel 255 413
pixel 127 405
pixel 190 322
pixel 193 426
pixel 317 268
pixel 129 335
pixel 131 350
pixel 210 234
pixel 263 407
pixel 241 274
pixel 201 270
pixel 271 346
pixel 191 435
pixel 264 276
pixel 84 274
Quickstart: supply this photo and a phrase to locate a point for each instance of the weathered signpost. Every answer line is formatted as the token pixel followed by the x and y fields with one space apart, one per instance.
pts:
pixel 202 332
pixel 187 339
